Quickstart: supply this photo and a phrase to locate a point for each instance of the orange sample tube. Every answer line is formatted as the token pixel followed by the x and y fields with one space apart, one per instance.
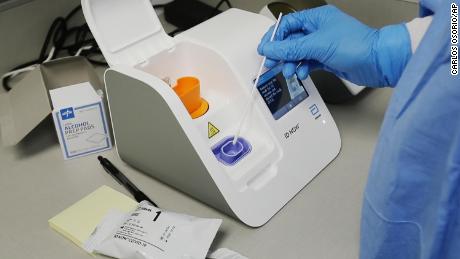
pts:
pixel 188 90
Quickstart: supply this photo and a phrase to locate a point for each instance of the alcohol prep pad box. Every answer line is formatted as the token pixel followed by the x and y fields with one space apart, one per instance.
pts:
pixel 80 120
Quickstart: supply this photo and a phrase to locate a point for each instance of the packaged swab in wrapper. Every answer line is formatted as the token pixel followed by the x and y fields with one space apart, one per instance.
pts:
pixel 151 233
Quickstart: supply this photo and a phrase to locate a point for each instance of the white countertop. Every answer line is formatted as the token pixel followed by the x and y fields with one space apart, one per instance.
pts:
pixel 322 221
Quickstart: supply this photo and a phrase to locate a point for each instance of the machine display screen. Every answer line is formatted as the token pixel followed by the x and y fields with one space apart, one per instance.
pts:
pixel 280 94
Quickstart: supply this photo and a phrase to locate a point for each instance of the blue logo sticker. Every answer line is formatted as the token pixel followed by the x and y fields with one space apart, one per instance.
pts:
pixel 314 110
pixel 67 113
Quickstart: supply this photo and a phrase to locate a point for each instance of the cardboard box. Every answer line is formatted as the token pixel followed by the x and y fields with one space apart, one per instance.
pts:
pixel 80 121
pixel 29 102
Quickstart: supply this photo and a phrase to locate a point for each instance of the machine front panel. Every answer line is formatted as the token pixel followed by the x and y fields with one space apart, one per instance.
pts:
pixel 286 139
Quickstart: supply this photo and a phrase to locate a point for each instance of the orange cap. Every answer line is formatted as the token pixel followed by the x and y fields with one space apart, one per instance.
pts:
pixel 188 90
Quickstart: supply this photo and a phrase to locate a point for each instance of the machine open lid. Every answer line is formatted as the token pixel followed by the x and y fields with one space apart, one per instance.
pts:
pixel 127 32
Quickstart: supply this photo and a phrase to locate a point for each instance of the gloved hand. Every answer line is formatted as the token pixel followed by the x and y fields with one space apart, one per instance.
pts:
pixel 326 38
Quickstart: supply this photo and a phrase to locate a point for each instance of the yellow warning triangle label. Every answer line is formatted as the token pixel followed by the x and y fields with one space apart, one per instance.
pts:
pixel 212 130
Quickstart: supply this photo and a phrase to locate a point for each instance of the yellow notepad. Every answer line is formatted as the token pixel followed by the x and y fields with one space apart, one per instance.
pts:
pixel 79 220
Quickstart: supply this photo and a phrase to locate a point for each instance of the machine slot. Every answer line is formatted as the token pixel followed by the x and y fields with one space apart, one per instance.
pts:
pixel 226 96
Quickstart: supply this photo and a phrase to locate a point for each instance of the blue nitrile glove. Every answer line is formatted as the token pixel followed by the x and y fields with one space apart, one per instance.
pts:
pixel 329 39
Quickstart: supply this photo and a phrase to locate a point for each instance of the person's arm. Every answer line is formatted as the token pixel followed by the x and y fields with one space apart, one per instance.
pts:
pixel 329 39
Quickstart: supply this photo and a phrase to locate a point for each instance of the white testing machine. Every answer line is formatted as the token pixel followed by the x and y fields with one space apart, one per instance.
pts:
pixel 288 138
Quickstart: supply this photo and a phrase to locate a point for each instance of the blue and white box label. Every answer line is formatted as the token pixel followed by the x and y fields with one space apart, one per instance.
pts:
pixel 82 128
pixel 67 113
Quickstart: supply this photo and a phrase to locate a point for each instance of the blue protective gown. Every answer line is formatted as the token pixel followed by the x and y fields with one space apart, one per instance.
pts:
pixel 411 207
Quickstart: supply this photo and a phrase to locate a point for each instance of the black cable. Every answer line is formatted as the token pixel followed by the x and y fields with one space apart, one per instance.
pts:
pixel 5 80
pixel 64 39
pixel 159 5
pixel 55 26
pixel 73 12
pixel 71 39
pixel 222 2
pixel 174 32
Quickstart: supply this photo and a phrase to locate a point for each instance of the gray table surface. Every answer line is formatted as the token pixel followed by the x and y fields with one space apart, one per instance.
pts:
pixel 322 221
